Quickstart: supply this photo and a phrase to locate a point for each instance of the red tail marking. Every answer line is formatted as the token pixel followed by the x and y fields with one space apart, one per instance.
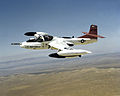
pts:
pixel 93 29
pixel 92 33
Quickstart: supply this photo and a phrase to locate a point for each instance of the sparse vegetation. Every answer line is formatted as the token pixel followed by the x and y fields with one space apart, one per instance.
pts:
pixel 79 82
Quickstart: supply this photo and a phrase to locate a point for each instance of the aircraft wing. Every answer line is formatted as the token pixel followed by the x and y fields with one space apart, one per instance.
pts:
pixel 59 45
pixel 64 50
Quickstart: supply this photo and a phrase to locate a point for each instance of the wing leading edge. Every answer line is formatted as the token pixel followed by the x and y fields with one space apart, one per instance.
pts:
pixel 59 45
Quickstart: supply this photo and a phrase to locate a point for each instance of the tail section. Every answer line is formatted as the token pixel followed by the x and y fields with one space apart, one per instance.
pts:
pixel 92 34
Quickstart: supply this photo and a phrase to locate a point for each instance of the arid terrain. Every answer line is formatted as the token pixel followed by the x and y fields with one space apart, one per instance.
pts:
pixel 93 78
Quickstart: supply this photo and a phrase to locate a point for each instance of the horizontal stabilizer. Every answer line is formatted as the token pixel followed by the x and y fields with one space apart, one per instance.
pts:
pixel 93 35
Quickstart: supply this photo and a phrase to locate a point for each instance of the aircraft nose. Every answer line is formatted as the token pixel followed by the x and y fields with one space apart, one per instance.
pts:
pixel 22 45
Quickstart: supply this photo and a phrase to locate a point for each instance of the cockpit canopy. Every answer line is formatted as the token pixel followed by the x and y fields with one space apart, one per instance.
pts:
pixel 41 38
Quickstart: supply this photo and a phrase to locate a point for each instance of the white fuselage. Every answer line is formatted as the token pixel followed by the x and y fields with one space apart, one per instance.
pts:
pixel 45 44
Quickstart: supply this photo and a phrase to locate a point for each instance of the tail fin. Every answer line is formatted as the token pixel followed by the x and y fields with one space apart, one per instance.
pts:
pixel 93 29
pixel 92 34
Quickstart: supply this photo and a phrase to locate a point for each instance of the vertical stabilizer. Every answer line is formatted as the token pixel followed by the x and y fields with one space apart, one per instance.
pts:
pixel 93 29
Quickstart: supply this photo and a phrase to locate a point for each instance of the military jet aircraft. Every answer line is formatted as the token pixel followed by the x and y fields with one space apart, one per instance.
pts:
pixel 64 45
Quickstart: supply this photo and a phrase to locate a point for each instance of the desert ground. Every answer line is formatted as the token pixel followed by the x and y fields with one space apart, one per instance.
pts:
pixel 100 79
